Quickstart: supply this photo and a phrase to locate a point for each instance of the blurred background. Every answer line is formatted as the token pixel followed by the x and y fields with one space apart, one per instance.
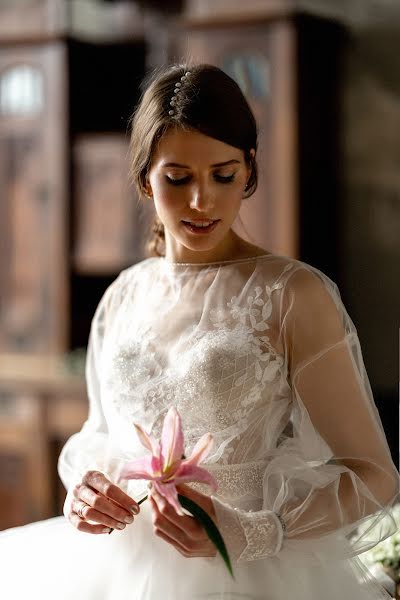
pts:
pixel 323 79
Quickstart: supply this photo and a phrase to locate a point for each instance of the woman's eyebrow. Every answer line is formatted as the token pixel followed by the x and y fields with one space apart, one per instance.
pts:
pixel 222 164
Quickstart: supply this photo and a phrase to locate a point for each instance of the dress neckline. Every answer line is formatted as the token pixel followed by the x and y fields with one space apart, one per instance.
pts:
pixel 214 263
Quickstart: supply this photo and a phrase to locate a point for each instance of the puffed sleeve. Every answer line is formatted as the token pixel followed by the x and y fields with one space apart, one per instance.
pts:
pixel 333 472
pixel 89 449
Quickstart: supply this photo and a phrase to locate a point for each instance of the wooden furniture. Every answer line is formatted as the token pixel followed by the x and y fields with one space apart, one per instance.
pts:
pixel 33 271
pixel 69 80
pixel 287 64
pixel 110 228
pixel 41 405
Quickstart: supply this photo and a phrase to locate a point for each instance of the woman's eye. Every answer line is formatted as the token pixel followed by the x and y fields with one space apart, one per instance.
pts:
pixel 177 181
pixel 227 179
pixel 183 180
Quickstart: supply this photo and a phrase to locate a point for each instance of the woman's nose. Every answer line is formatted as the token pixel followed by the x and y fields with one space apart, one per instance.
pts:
pixel 202 200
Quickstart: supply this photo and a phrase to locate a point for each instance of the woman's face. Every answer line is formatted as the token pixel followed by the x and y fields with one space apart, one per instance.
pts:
pixel 196 178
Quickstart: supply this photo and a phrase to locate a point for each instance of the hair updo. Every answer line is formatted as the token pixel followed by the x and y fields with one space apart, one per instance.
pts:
pixel 207 101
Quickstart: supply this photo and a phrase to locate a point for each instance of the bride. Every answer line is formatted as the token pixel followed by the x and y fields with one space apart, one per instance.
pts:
pixel 257 349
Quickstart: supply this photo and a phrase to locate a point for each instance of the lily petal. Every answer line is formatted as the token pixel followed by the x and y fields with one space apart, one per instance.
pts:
pixel 201 450
pixel 170 472
pixel 140 468
pixel 168 491
pixel 171 438
pixel 189 473
pixel 147 440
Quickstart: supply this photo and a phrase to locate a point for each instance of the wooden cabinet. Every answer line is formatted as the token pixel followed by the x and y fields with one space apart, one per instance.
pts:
pixel 69 223
pixel 41 405
pixel 260 58
pixel 33 192
pixel 109 227
pixel 287 64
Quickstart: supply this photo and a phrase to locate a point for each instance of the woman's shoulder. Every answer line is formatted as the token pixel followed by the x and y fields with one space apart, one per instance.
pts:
pixel 308 292
pixel 298 280
pixel 293 271
pixel 308 280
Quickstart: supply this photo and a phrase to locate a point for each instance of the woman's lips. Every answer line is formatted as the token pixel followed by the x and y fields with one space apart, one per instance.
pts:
pixel 200 230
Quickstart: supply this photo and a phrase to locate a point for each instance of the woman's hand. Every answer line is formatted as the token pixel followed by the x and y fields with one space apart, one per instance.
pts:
pixel 97 499
pixel 185 533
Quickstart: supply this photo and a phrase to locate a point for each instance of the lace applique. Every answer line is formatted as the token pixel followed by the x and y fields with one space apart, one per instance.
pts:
pixel 263 533
pixel 236 481
pixel 267 362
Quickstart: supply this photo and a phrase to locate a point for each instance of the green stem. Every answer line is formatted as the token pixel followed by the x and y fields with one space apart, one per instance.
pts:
pixel 140 502
pixel 210 528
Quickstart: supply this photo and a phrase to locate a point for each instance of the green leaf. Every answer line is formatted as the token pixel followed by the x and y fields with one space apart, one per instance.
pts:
pixel 210 528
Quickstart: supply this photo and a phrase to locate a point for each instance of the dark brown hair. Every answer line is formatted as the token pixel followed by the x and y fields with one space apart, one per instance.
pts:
pixel 209 101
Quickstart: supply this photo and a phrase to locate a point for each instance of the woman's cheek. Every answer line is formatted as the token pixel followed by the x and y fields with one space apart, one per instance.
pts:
pixel 165 202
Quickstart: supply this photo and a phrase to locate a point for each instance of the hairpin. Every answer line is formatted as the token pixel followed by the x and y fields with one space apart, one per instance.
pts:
pixel 176 92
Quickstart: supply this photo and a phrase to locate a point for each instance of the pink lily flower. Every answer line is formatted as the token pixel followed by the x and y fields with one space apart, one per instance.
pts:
pixel 167 467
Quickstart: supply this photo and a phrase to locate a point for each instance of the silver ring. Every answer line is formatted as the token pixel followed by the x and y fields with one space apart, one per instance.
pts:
pixel 80 510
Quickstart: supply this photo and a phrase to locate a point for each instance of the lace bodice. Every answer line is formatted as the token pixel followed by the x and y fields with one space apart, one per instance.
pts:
pixel 261 353
pixel 216 365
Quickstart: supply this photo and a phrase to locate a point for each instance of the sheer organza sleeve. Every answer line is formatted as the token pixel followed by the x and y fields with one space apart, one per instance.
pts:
pixel 334 471
pixel 89 449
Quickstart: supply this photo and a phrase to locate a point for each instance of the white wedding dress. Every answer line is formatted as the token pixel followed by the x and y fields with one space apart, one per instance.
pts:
pixel 261 353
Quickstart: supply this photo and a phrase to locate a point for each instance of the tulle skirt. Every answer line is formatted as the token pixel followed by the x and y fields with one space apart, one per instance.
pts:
pixel 51 560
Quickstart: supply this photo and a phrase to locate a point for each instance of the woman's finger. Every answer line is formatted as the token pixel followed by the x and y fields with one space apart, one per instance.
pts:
pixel 101 504
pixel 161 523
pixel 188 534
pixel 178 539
pixel 173 543
pixel 99 482
pixel 202 500
pixel 182 539
pixel 85 527
pixel 88 513
pixel 186 523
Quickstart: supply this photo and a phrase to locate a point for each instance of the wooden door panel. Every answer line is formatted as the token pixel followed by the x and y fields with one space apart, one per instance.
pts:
pixel 108 230
pixel 33 119
pixel 261 58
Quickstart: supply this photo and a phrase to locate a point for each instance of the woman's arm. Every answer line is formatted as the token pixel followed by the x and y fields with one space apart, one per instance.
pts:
pixel 336 470
pixel 88 449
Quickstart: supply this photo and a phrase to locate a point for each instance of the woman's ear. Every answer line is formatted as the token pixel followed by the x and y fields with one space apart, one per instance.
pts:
pixel 147 188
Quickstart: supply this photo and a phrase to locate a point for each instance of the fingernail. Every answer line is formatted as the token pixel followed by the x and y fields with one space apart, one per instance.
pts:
pixel 135 509
pixel 128 519
pixel 121 526
pixel 107 530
